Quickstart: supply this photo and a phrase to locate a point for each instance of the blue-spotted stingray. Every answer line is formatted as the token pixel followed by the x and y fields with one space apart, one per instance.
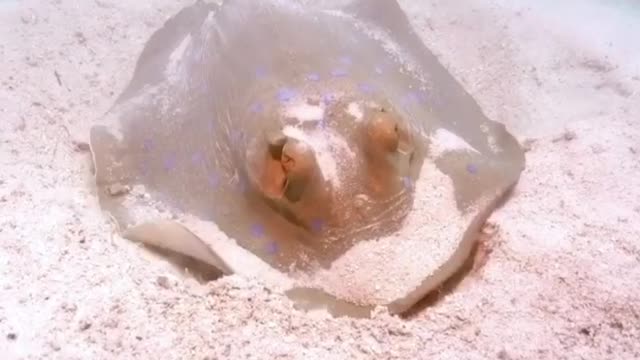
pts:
pixel 319 146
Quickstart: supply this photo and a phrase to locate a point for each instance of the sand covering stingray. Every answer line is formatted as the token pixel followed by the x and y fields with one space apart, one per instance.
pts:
pixel 321 148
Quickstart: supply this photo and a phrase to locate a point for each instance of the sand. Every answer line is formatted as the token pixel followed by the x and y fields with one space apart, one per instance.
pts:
pixel 558 274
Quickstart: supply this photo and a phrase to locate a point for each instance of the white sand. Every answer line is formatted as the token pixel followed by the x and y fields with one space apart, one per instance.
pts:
pixel 562 274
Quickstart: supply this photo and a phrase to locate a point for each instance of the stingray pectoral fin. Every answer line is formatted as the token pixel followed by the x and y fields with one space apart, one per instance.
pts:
pixel 112 172
pixel 309 299
pixel 172 236
pixel 107 156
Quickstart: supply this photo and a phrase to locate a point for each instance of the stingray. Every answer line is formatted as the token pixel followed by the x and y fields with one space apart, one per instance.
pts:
pixel 288 140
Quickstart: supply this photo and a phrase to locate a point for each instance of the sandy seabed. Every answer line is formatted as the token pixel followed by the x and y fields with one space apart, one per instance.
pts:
pixel 559 278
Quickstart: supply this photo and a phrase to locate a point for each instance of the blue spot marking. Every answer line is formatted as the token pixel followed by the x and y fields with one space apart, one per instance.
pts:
pixel 256 108
pixel 197 158
pixel 408 183
pixel 257 230
pixel 346 60
pixel 472 168
pixel 322 124
pixel 313 77
pixel 339 73
pixel 365 88
pixel 286 94
pixel 242 185
pixel 147 144
pixel 328 98
pixel 412 96
pixel 170 162
pixel 317 225
pixel 272 248
pixel 213 179
pixel 261 72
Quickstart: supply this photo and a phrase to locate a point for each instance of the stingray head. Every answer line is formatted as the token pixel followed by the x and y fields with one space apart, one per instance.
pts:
pixel 347 168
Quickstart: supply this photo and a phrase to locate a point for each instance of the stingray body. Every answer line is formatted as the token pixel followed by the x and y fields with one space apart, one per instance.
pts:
pixel 296 130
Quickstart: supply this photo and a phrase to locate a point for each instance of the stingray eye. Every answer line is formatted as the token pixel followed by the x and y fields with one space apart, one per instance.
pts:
pixel 395 128
pixel 382 110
